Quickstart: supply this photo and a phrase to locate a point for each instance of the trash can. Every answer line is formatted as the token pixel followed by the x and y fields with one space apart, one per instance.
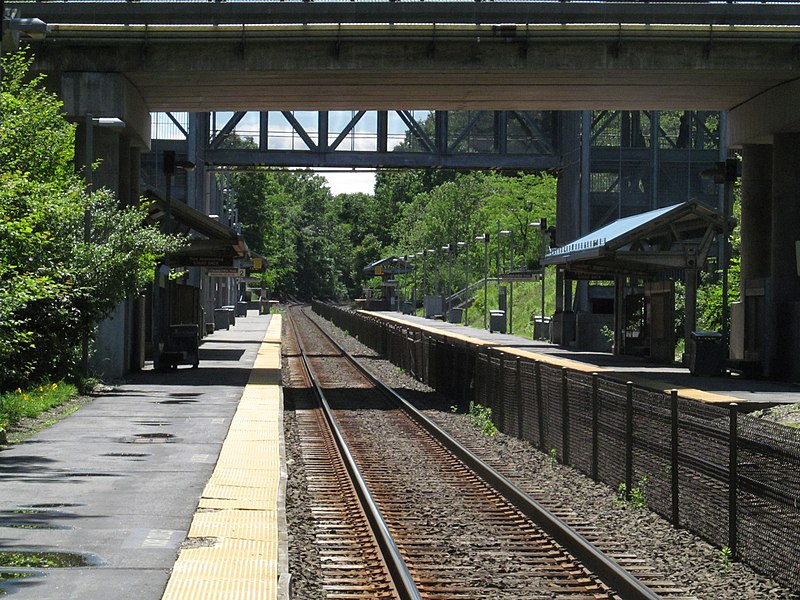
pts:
pixel 706 353
pixel 222 319
pixel 497 321
pixel 231 313
pixel 241 309
pixel 455 315
pixel 541 328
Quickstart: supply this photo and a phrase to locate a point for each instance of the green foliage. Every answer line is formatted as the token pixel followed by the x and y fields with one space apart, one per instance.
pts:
pixel 18 404
pixel 726 559
pixel 638 494
pixel 54 285
pixel 481 417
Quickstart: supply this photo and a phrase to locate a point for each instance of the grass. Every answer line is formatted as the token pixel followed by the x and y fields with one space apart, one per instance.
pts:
pixel 21 404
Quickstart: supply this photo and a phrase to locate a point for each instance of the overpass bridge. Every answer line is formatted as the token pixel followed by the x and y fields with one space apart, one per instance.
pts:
pixel 128 59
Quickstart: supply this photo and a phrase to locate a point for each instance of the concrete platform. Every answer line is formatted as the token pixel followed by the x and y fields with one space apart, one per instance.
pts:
pixel 758 393
pixel 121 479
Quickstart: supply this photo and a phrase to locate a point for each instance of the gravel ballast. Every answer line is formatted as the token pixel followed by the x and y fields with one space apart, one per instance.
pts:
pixel 683 558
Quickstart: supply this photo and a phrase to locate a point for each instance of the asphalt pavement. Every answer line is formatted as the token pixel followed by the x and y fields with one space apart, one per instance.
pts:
pixel 116 484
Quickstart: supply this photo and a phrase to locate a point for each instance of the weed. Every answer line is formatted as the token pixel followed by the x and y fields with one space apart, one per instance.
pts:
pixel 552 456
pixel 454 408
pixel 638 494
pixel 481 417
pixel 726 559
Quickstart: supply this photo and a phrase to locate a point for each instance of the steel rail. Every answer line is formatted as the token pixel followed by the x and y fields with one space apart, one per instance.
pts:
pixel 606 569
pixel 499 12
pixel 398 570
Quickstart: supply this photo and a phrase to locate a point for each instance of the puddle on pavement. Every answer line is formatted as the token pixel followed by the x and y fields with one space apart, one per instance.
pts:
pixel 70 475
pixel 155 436
pixel 52 505
pixel 126 454
pixel 44 560
pixel 8 578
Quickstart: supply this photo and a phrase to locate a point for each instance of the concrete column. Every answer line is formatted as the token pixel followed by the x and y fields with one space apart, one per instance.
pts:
pixel 756 226
pixel 785 283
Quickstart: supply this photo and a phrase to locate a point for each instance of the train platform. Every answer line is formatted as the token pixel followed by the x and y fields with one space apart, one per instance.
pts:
pixel 184 465
pixel 717 390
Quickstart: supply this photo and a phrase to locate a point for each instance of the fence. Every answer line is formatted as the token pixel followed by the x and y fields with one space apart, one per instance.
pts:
pixel 731 478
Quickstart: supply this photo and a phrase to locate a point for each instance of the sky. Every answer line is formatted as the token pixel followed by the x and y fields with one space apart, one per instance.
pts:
pixel 349 182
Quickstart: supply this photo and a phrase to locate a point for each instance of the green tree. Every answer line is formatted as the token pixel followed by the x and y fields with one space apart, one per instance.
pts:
pixel 54 286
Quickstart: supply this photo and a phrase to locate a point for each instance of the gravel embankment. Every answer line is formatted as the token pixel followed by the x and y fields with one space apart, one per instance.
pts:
pixel 682 557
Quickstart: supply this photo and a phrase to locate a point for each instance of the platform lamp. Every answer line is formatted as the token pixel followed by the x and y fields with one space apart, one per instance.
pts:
pixel 541 225
pixel 448 286
pixel 465 245
pixel 90 124
pixel 484 237
pixel 510 234
pixel 417 256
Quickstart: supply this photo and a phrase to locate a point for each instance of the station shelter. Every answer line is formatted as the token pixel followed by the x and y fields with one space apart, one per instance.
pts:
pixel 387 269
pixel 631 266
pixel 213 255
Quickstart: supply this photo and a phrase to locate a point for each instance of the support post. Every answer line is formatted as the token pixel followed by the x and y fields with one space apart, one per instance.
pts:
pixel 628 440
pixel 595 428
pixel 733 478
pixel 674 464
pixel 564 417
pixel 540 404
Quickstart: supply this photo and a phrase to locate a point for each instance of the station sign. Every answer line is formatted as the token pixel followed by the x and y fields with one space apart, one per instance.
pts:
pixel 226 272
pixel 207 261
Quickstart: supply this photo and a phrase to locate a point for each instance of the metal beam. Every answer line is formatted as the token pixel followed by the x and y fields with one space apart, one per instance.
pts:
pixel 362 159
pixel 505 14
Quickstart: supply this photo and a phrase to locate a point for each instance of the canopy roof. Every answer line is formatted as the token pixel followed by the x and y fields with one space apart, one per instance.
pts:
pixel 673 237
pixel 219 244
pixel 392 265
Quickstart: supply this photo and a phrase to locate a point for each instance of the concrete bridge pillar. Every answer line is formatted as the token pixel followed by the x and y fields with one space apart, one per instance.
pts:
pixel 784 318
pixel 119 339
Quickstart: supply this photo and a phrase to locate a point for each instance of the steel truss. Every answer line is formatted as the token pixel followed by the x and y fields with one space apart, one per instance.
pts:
pixel 502 140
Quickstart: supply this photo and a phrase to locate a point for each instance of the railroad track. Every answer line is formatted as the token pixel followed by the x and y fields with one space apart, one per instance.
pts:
pixel 459 529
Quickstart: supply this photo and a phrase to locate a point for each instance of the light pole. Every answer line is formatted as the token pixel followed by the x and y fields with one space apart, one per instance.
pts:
pixel 541 225
pixel 448 285
pixel 465 245
pixel 485 239
pixel 91 123
pixel 416 262
pixel 510 234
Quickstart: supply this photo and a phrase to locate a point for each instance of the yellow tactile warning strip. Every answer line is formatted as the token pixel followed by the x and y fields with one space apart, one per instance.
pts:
pixel 691 393
pixel 240 516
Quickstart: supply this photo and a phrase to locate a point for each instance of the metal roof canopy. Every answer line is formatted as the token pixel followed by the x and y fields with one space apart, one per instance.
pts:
pixel 673 237
pixel 392 265
pixel 222 241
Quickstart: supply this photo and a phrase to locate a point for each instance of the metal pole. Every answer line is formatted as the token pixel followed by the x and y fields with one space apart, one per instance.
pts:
pixel 674 461
pixel 466 282
pixel 485 277
pixel 733 477
pixel 595 427
pixel 564 417
pixel 511 289
pixel 628 440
